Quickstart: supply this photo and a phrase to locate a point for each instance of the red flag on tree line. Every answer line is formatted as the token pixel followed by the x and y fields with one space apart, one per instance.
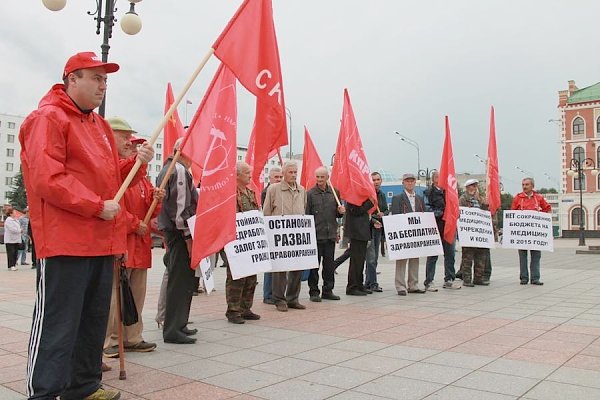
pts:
pixel 447 181
pixel 211 143
pixel 493 177
pixel 351 174
pixel 173 128
pixel 248 46
pixel 310 162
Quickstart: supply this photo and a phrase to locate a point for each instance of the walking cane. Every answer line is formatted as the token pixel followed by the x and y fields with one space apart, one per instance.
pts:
pixel 117 273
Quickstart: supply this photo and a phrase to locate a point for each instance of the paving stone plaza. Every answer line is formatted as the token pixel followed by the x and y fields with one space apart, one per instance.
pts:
pixel 501 342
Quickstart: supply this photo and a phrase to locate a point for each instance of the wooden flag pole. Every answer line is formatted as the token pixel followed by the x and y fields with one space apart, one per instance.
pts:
pixel 163 184
pixel 162 124
pixel 337 200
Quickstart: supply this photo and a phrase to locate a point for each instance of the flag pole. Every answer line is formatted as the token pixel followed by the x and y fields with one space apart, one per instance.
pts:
pixel 162 124
pixel 163 184
pixel 117 277
pixel 337 199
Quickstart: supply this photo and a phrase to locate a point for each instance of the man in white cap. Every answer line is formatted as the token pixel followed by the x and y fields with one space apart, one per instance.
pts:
pixel 474 259
pixel 72 173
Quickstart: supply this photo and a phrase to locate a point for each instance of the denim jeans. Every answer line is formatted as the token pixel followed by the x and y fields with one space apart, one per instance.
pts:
pixel 372 258
pixel 534 266
pixel 268 286
pixel 449 271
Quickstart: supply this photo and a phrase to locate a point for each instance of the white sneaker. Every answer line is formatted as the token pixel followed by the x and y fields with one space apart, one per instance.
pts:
pixel 453 284
pixel 431 288
pixel 13 269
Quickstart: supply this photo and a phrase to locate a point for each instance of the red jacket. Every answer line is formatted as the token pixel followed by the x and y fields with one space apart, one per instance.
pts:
pixel 138 199
pixel 70 166
pixel 536 202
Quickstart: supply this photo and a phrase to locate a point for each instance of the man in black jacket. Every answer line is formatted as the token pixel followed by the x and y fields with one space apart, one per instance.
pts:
pixel 376 234
pixel 357 229
pixel 436 203
pixel 322 204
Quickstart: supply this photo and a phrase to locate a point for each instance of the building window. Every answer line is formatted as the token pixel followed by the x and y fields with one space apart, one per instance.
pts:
pixel 11 125
pixel 579 155
pixel 10 152
pixel 159 145
pixel 239 158
pixel 598 217
pixel 598 157
pixel 598 125
pixel 157 168
pixel 598 183
pixel 576 217
pixel 10 138
pixel 578 126
pixel 9 166
pixel 158 157
pixel 8 181
pixel 577 185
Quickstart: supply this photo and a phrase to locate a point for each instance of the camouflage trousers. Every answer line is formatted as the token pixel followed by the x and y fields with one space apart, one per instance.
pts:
pixel 239 294
pixel 473 264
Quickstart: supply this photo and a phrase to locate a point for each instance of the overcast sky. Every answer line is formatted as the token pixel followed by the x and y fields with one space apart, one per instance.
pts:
pixel 405 64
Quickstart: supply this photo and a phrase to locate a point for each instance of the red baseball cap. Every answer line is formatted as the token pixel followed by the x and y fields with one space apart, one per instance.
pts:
pixel 87 59
pixel 137 139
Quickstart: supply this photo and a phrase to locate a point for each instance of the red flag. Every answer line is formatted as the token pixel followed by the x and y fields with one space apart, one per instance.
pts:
pixel 248 46
pixel 493 178
pixel 211 143
pixel 447 181
pixel 351 174
pixel 173 128
pixel 310 162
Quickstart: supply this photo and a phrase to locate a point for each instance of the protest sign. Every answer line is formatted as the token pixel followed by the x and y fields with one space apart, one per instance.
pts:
pixel 248 254
pixel 207 269
pixel 412 235
pixel 527 230
pixel 475 228
pixel 292 242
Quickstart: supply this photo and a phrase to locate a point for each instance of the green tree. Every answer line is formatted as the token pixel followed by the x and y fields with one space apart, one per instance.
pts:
pixel 505 203
pixel 18 196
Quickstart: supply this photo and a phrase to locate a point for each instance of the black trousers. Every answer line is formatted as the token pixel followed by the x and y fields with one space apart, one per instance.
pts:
pixel 69 325
pixel 180 286
pixel 12 252
pixel 358 252
pixel 326 253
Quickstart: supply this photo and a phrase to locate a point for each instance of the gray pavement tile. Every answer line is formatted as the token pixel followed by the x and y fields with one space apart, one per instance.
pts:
pixel 361 346
pixel 460 360
pixel 547 390
pixel 376 364
pixel 246 342
pixel 432 373
pixel 351 395
pixel 160 358
pixel 576 376
pixel 344 378
pixel 497 383
pixel 245 357
pixel 289 367
pixel 200 369
pixel 295 389
pixel 216 335
pixel 397 387
pixel 519 368
pixel 328 356
pixel 458 393
pixel 244 380
pixel 315 338
pixel 406 352
pixel 206 350
pixel 7 394
pixel 279 334
pixel 285 348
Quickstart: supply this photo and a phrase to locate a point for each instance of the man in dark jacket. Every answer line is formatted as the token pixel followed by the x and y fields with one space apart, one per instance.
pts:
pixel 376 233
pixel 436 203
pixel 322 204
pixel 358 230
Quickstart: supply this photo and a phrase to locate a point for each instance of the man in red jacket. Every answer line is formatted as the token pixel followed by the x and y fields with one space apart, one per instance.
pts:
pixel 72 172
pixel 529 199
pixel 138 199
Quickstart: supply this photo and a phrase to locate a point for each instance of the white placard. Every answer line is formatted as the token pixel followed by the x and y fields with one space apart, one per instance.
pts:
pixel 475 228
pixel 207 270
pixel 412 235
pixel 527 230
pixel 292 242
pixel 248 254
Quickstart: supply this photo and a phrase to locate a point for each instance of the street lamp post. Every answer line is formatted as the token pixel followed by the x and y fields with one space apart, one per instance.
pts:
pixel 131 24
pixel 578 166
pixel 524 171
pixel 427 174
pixel 289 114
pixel 414 144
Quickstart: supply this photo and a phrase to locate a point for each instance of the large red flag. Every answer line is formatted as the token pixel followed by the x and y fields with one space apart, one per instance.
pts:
pixel 248 46
pixel 173 128
pixel 447 181
pixel 211 143
pixel 351 174
pixel 310 162
pixel 493 178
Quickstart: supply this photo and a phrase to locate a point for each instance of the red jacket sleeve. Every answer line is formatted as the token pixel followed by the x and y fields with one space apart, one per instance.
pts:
pixel 125 166
pixel 544 206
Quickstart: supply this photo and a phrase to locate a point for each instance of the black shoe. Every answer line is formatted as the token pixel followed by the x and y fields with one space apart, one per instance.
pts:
pixel 469 284
pixel 189 332
pixel 481 283
pixel 524 282
pixel 330 296
pixel 315 298
pixel 376 288
pixel 420 291
pixel 538 283
pixel 355 292
pixel 296 306
pixel 249 315
pixel 401 292
pixel 269 301
pixel 236 320
pixel 181 340
pixel 366 290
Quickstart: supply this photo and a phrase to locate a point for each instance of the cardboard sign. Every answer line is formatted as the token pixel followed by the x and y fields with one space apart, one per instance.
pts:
pixel 292 242
pixel 412 235
pixel 527 230
pixel 207 270
pixel 475 228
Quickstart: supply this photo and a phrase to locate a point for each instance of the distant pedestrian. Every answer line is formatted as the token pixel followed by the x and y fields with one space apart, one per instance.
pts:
pixel 12 238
